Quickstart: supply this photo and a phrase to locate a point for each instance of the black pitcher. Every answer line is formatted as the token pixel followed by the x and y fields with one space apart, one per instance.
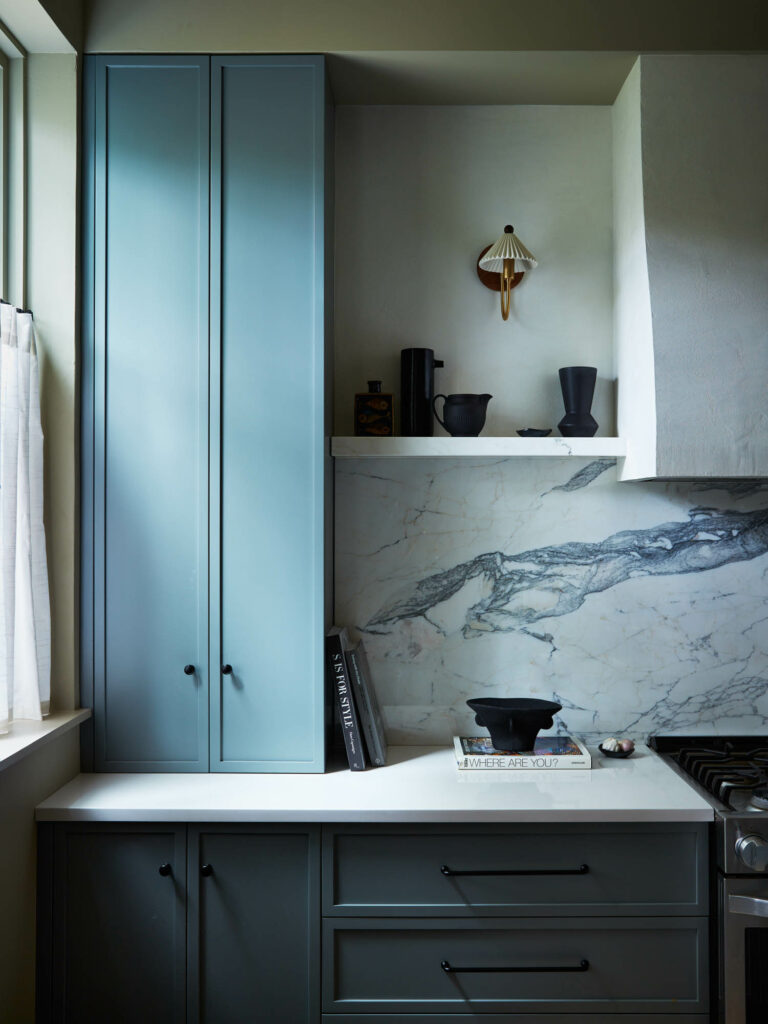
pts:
pixel 464 415
pixel 578 387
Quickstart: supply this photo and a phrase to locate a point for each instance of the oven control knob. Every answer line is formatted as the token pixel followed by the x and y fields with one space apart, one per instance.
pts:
pixel 753 851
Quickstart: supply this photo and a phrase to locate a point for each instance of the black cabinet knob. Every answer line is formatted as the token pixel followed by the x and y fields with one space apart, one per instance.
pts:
pixel 226 670
pixel 206 870
pixel 189 670
pixel 164 869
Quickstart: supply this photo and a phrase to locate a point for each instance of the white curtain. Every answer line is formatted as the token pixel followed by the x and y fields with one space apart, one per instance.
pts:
pixel 25 618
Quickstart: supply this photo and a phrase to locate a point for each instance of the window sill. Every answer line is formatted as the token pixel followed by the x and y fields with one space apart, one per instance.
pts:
pixel 25 736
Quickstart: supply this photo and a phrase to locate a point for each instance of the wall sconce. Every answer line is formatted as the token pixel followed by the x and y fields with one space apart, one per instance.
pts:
pixel 501 266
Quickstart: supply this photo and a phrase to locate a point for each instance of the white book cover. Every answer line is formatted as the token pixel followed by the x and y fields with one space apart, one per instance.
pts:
pixel 549 752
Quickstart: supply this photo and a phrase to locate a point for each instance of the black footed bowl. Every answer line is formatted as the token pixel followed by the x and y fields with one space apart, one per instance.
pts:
pixel 514 722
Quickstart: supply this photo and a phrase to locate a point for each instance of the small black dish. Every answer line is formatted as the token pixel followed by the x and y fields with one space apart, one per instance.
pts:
pixel 615 753
pixel 534 432
pixel 514 723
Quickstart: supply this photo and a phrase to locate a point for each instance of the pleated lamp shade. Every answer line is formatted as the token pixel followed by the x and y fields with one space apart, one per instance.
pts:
pixel 508 247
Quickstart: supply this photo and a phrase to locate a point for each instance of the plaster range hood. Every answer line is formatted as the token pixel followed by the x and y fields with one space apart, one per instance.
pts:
pixel 690 141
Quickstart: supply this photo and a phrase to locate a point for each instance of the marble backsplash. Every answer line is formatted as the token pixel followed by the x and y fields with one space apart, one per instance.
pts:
pixel 640 607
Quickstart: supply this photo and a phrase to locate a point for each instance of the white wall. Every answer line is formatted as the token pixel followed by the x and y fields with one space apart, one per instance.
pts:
pixel 420 191
pixel 22 787
pixel 633 330
pixel 52 296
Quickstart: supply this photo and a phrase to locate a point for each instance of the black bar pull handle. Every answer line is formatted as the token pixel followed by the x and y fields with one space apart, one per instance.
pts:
pixel 583 965
pixel 206 870
pixel 582 869
pixel 165 870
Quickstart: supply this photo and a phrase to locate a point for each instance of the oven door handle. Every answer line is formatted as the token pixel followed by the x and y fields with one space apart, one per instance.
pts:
pixel 750 905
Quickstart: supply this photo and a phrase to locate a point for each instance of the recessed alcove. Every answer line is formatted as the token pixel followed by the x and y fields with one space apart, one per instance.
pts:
pixel 420 191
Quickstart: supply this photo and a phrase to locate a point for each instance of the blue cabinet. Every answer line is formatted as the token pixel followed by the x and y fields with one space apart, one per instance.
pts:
pixel 254 924
pixel 267 204
pixel 145 399
pixel 510 938
pixel 177 924
pixel 204 475
pixel 221 924
pixel 115 940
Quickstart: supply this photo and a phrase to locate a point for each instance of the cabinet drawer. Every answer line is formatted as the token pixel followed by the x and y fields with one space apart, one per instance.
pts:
pixel 525 965
pixel 563 870
pixel 516 1018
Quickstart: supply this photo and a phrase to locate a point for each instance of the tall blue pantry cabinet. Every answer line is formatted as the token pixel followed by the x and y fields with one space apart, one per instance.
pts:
pixel 204 464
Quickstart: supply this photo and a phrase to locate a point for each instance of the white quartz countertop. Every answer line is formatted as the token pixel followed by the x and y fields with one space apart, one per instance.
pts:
pixel 418 784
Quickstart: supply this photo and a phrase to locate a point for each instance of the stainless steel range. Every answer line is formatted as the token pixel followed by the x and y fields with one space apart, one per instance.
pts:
pixel 732 773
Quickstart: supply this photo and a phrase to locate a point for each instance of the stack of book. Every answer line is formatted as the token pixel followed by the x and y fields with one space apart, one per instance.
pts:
pixel 358 710
pixel 558 752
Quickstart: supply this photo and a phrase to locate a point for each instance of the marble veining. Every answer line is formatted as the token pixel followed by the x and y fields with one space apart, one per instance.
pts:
pixel 566 575
pixel 586 475
pixel 640 607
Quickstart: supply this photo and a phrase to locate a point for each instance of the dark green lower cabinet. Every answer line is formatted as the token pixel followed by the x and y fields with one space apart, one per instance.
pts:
pixel 254 926
pixel 415 924
pixel 152 924
pixel 114 948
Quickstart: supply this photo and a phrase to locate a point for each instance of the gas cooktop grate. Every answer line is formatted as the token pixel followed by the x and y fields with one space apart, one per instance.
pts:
pixel 733 769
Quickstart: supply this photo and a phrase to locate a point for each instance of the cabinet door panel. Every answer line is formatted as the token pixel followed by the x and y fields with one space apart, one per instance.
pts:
pixel 146 337
pixel 254 926
pixel 267 337
pixel 119 932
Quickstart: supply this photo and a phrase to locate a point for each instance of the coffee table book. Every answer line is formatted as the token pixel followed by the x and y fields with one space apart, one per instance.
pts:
pixel 477 753
pixel 368 712
pixel 336 642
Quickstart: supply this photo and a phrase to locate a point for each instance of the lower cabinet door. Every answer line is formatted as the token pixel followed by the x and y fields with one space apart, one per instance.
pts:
pixel 254 925
pixel 557 965
pixel 118 949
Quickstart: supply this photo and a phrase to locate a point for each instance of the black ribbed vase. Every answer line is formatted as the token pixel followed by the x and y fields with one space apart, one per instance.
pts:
pixel 578 387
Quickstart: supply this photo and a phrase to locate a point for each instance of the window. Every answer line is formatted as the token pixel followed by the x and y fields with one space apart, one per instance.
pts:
pixel 13 73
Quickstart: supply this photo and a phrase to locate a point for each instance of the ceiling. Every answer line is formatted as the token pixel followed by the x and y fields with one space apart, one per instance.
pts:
pixel 477 77
pixel 349 26
pixel 33 27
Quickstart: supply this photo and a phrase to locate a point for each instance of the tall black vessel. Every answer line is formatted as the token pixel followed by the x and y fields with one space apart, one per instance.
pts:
pixel 578 386
pixel 417 389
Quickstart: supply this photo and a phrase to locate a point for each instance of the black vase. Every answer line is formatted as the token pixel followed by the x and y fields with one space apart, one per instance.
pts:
pixel 514 723
pixel 417 389
pixel 578 387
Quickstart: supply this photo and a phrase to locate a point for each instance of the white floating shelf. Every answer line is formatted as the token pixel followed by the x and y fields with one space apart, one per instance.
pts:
pixel 438 447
